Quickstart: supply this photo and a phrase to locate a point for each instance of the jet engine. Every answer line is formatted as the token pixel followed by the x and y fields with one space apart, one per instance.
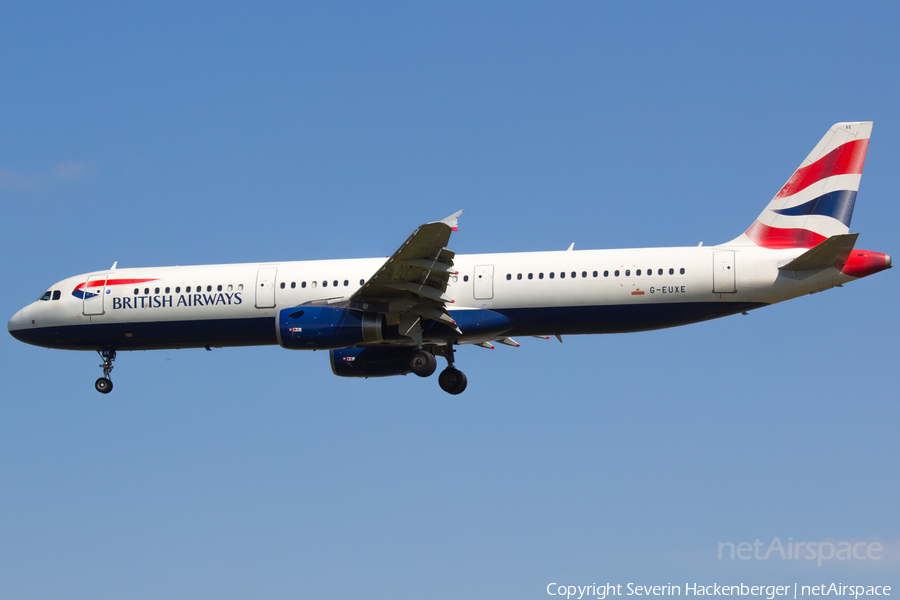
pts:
pixel 324 328
pixel 371 362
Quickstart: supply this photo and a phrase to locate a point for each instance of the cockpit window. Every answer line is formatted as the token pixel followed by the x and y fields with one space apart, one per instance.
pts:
pixel 56 294
pixel 46 295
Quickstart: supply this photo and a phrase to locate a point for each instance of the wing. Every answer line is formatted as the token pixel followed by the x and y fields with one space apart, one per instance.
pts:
pixel 412 283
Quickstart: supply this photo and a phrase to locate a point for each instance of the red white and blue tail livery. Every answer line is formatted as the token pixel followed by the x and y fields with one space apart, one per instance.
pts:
pixel 380 317
pixel 817 201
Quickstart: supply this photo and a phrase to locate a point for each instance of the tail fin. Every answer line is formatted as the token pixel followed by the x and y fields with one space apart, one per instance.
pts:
pixel 817 201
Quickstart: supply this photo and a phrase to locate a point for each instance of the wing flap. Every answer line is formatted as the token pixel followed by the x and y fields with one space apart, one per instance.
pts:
pixel 425 291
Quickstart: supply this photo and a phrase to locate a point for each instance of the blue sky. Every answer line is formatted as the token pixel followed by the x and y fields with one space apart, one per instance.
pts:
pixel 208 133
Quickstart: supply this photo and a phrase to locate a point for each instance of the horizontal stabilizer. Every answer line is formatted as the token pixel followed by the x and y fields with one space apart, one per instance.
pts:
pixel 834 251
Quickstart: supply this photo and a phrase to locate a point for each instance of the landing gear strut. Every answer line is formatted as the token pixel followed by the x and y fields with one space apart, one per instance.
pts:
pixel 452 380
pixel 104 385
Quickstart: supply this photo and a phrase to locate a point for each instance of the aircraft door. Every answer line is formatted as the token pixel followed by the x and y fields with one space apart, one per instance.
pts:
pixel 94 291
pixel 723 272
pixel 265 287
pixel 484 282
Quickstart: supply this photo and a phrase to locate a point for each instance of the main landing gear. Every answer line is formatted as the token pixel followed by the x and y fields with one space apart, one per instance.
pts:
pixel 423 363
pixel 104 385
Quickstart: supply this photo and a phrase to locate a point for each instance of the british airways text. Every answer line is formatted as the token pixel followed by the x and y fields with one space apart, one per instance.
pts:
pixel 182 300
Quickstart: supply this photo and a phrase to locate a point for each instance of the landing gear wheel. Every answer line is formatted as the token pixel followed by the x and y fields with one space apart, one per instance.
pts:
pixel 452 381
pixel 103 385
pixel 423 363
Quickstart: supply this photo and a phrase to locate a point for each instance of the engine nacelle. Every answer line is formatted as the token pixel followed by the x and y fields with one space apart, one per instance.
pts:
pixel 324 327
pixel 371 362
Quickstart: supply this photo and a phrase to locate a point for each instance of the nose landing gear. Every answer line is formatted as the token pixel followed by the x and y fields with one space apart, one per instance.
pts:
pixel 104 385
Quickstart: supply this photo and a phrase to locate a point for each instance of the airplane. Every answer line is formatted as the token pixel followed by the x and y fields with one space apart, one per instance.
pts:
pixel 380 317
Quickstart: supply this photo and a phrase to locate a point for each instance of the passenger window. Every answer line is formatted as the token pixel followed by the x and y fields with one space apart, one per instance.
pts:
pixel 627 272
pixel 346 283
pixel 303 285
pixel 136 291
pixel 617 273
pixel 606 273
pixel 46 296
pixel 219 287
pixel 508 276
pixel 671 271
pixel 178 290
pixel 335 284
pixel 552 275
pixel 229 288
pixel 240 287
pixel 659 272
pixel 540 275
pixel 156 291
pixel 168 290
pixel 363 281
pixel 562 275
pixel 187 290
pixel 519 277
pixel 638 272
pixel 293 284
pixel 465 277
pixel 282 285
pixel 682 270
pixel 574 274
pixel 312 284
pixel 325 283
pixel 209 288
pixel 146 291
pixel 584 274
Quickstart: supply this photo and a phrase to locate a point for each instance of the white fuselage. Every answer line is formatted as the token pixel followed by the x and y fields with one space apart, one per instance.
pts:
pixel 544 293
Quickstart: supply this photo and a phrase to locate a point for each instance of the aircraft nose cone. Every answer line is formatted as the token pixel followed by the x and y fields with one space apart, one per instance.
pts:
pixel 887 261
pixel 20 326
pixel 15 323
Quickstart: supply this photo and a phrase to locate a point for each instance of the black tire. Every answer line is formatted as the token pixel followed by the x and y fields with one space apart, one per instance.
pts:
pixel 423 363
pixel 103 385
pixel 453 381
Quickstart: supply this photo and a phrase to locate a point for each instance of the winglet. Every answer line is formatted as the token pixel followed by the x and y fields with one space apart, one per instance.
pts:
pixel 451 220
